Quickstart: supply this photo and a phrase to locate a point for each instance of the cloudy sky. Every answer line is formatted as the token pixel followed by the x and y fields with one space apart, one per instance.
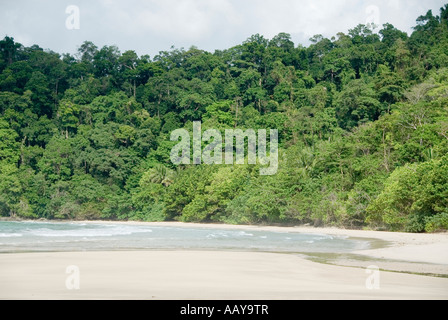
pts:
pixel 150 26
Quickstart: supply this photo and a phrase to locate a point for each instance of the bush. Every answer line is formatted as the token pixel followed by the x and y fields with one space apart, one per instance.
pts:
pixel 436 223
pixel 415 198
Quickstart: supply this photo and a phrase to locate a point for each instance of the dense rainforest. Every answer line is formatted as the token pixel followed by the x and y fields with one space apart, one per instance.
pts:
pixel 362 120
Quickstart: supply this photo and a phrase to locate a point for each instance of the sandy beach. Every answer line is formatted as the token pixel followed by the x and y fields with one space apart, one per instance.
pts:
pixel 407 266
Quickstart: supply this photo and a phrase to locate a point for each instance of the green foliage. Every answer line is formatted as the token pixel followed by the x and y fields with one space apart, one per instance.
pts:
pixel 413 198
pixel 362 120
pixel 357 104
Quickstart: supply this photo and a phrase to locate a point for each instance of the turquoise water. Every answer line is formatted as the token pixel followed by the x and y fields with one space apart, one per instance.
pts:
pixel 65 236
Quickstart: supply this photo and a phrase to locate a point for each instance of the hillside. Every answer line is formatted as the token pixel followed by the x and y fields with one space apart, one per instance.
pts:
pixel 362 120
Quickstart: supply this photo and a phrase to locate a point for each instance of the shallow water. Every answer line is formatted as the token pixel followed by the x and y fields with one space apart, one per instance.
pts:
pixel 72 236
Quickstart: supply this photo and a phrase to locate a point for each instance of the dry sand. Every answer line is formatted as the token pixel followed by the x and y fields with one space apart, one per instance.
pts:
pixel 227 275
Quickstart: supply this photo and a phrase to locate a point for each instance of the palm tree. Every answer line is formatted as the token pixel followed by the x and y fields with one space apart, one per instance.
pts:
pixel 307 161
pixel 160 174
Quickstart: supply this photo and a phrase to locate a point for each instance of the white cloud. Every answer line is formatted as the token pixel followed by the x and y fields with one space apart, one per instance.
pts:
pixel 192 20
pixel 154 25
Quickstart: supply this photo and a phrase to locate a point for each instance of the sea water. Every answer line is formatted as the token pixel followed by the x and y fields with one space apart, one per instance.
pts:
pixel 73 236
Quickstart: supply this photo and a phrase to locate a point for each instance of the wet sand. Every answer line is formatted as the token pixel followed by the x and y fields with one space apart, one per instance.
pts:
pixel 224 275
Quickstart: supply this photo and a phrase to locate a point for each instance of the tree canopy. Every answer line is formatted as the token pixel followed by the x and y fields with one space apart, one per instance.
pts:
pixel 362 120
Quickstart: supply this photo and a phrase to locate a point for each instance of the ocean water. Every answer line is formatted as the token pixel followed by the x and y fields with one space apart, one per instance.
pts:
pixel 73 236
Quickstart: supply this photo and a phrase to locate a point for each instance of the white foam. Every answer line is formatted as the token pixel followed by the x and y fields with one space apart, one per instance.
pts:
pixel 97 232
pixel 10 235
pixel 242 233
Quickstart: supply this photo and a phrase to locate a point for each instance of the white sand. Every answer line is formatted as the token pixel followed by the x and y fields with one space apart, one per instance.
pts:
pixel 232 275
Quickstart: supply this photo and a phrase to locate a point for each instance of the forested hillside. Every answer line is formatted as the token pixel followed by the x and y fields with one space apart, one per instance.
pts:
pixel 362 120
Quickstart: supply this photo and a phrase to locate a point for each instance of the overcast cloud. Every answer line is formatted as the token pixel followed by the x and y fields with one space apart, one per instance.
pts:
pixel 150 26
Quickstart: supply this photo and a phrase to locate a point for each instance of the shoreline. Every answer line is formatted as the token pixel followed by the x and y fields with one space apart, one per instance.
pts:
pixel 422 253
pixel 430 248
pixel 411 266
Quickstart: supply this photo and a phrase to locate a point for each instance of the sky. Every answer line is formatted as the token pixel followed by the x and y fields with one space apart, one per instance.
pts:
pixel 151 26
